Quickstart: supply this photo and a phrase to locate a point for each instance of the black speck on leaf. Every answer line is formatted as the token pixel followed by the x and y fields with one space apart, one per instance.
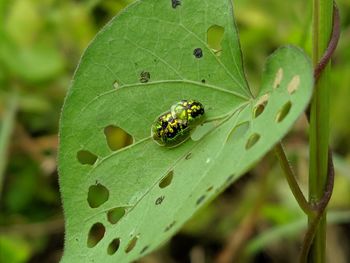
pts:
pixel 160 200
pixel 169 226
pixel 203 80
pixel 188 156
pixel 200 199
pixel 144 250
pixel 198 53
pixel 175 3
pixel 145 76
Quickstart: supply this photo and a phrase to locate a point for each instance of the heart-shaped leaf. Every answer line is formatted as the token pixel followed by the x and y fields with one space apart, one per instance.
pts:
pixel 121 204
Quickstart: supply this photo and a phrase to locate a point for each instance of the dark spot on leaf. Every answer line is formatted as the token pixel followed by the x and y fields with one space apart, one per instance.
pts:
pixel 117 138
pixel 253 139
pixel 188 156
pixel 131 244
pixel 86 157
pixel 175 3
pixel 203 80
pixel 283 112
pixel 97 195
pixel 210 188
pixel 198 53
pixel 145 76
pixel 115 214
pixel 200 200
pixel 169 226
pixel 144 249
pixel 166 180
pixel 113 246
pixel 96 233
pixel 160 200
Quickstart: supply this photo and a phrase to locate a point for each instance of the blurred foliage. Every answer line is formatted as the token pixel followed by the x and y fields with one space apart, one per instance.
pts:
pixel 41 42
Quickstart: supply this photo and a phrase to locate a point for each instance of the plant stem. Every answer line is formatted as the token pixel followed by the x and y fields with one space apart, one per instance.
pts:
pixel 319 124
pixel 320 208
pixel 6 131
pixel 293 184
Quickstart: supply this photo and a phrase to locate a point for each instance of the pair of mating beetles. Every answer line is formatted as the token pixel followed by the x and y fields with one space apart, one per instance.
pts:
pixel 174 126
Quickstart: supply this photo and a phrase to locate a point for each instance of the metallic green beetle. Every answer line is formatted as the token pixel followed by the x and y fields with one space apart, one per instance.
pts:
pixel 174 126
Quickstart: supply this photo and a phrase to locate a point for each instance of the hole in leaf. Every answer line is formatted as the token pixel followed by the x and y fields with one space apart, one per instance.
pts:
pixel 97 195
pixel 117 138
pixel 86 157
pixel 200 200
pixel 260 105
pixel 238 131
pixel 169 226
pixel 116 84
pixel 166 180
pixel 258 110
pixel 115 214
pixel 253 139
pixel 198 53
pixel 96 233
pixel 293 84
pixel 131 244
pixel 283 112
pixel 215 35
pixel 113 246
pixel 278 78
pixel 144 249
pixel 160 200
pixel 175 3
pixel 145 76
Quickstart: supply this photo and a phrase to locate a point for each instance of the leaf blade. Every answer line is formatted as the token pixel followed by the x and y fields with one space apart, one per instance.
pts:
pixel 132 175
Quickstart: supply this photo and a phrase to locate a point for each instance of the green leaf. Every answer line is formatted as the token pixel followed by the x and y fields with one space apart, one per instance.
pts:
pixel 148 192
pixel 14 249
pixel 33 64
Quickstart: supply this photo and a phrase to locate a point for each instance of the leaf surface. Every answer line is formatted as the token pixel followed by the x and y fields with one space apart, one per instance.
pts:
pixel 150 56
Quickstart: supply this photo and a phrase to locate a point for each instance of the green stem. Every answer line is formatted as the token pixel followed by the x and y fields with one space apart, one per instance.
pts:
pixel 320 208
pixel 7 124
pixel 293 184
pixel 319 124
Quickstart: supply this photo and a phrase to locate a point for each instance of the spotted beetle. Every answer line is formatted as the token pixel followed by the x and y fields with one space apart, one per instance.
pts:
pixel 174 127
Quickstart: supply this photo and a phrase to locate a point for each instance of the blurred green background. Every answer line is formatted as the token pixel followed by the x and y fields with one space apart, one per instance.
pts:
pixel 255 220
